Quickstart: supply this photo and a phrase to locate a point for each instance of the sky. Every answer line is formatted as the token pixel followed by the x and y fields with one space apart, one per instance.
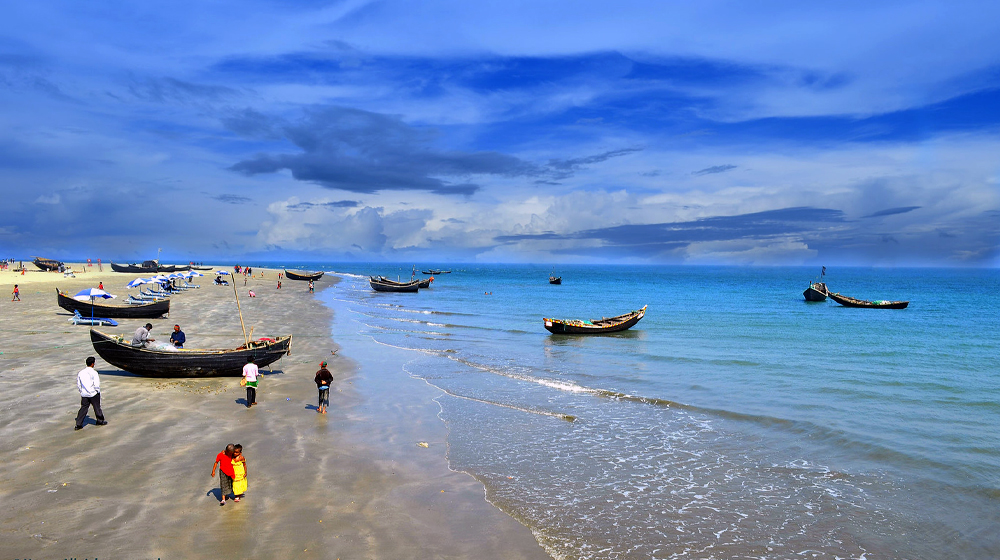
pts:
pixel 711 132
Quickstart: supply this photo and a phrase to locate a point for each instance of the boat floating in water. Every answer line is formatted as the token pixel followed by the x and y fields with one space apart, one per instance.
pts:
pixel 848 301
pixel 595 326
pixel 383 284
pixel 816 291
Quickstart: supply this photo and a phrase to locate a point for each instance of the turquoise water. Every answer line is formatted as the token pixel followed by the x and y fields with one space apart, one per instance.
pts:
pixel 735 420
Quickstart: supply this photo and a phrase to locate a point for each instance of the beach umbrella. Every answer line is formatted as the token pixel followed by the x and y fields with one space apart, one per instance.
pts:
pixel 92 294
pixel 137 282
pixel 222 272
pixel 192 274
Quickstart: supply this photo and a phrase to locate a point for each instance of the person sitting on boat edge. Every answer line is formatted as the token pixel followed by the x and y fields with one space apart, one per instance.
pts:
pixel 141 336
pixel 177 337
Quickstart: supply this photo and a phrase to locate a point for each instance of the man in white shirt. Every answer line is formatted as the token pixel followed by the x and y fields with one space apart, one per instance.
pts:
pixel 90 394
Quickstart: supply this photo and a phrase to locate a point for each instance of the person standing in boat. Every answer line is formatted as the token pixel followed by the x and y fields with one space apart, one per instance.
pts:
pixel 177 337
pixel 250 374
pixel 141 336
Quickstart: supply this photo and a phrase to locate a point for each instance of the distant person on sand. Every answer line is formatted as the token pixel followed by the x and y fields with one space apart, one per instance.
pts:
pixel 250 373
pixel 141 336
pixel 100 285
pixel 177 337
pixel 323 380
pixel 16 293
pixel 312 289
pixel 224 461
pixel 251 293
pixel 89 384
pixel 239 472
pixel 279 285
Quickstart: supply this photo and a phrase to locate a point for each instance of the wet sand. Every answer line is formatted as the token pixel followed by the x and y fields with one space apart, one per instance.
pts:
pixel 349 484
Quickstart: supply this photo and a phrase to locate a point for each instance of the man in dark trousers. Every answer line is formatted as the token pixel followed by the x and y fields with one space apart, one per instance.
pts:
pixel 89 385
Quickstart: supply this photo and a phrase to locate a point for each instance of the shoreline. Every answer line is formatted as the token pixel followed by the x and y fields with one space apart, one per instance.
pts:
pixel 319 485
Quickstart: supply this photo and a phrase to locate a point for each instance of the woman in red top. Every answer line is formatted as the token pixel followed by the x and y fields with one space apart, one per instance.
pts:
pixel 224 461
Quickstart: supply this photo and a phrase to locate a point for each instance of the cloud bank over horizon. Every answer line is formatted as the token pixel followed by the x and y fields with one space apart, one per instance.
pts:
pixel 543 132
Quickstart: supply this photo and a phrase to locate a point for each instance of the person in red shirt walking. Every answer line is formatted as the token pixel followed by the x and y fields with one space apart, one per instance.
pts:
pixel 224 461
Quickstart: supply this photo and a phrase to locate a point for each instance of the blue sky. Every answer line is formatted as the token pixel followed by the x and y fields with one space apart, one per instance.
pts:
pixel 631 132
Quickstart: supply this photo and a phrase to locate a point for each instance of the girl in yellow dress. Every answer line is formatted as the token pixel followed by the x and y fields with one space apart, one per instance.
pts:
pixel 240 470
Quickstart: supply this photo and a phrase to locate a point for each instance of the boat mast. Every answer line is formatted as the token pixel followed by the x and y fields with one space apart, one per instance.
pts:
pixel 246 339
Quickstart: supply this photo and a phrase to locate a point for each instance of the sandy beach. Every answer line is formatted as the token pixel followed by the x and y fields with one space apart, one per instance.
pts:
pixel 350 484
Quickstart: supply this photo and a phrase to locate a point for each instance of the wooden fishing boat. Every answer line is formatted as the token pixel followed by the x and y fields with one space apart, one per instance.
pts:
pixel 816 292
pixel 47 264
pixel 555 279
pixel 595 326
pixel 433 271
pixel 426 282
pixel 307 276
pixel 87 308
pixel 118 351
pixel 848 301
pixel 383 284
pixel 148 267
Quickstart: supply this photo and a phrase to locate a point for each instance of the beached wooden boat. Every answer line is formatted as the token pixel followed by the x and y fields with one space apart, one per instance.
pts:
pixel 144 311
pixel 595 326
pixel 383 284
pixel 816 292
pixel 148 267
pixel 848 301
pixel 47 264
pixel 555 279
pixel 307 276
pixel 118 351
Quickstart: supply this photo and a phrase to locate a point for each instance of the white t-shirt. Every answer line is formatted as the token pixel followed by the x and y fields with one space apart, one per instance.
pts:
pixel 88 382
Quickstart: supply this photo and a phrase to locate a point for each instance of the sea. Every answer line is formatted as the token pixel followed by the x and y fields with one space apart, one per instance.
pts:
pixel 735 420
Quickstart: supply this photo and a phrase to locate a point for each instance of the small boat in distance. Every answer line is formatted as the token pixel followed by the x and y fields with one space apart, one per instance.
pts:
pixel 595 326
pixel 47 264
pixel 848 301
pixel 434 271
pixel 555 279
pixel 816 292
pixel 143 311
pixel 118 351
pixel 383 284
pixel 148 267
pixel 307 276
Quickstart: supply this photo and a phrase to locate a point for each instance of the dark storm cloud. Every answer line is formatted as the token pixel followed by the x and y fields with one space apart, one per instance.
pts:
pixel 891 211
pixel 232 198
pixel 303 206
pixel 365 152
pixel 714 169
pixel 719 228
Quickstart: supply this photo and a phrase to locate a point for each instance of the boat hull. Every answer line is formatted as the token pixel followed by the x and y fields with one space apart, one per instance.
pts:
pixel 47 265
pixel 848 301
pixel 148 269
pixel 186 363
pixel 87 309
pixel 815 292
pixel 555 279
pixel 597 326
pixel 389 286
pixel 296 276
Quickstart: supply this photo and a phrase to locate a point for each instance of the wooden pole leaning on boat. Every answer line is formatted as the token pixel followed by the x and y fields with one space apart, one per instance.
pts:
pixel 246 339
